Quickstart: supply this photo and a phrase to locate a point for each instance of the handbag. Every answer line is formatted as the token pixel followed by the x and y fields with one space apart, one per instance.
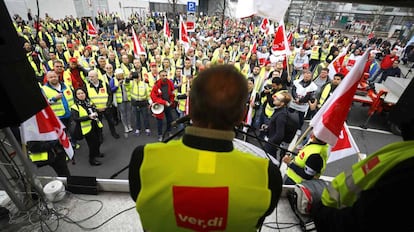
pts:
pixel 75 130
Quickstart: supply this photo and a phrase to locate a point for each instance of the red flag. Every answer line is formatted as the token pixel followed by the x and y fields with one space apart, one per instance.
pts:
pixel 167 32
pixel 91 29
pixel 254 47
pixel 344 147
pixel 280 42
pixel 138 48
pixel 264 26
pixel 45 126
pixel 327 123
pixel 183 34
pixel 371 35
pixel 336 65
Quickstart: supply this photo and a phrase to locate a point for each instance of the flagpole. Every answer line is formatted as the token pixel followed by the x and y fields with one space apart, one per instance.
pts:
pixel 302 137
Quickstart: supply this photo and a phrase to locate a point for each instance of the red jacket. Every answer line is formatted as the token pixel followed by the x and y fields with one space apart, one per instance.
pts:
pixel 387 61
pixel 156 95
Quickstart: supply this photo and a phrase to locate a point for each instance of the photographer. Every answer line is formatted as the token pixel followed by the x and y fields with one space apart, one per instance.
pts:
pixel 85 114
pixel 303 95
pixel 123 99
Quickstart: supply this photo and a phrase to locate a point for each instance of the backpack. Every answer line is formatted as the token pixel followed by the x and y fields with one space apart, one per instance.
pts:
pixel 291 126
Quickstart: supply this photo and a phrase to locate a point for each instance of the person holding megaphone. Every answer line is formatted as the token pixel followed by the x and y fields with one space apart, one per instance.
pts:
pixel 162 96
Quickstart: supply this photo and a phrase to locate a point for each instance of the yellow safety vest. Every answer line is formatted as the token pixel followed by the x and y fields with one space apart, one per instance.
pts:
pixel 185 194
pixel 300 159
pixel 40 156
pixel 140 91
pixel 346 186
pixel 86 126
pixel 118 92
pixel 315 53
pixel 244 70
pixel 58 106
pixel 99 99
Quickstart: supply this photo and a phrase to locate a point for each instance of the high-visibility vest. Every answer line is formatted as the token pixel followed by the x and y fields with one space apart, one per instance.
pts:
pixel 212 173
pixel 40 156
pixel 86 126
pixel 325 93
pixel 315 53
pixel 67 78
pixel 99 98
pixel 300 159
pixel 59 106
pixel 118 92
pixel 347 186
pixel 245 70
pixel 140 91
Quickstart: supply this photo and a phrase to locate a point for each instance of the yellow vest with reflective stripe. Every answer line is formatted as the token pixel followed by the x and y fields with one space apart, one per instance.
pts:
pixel 346 186
pixel 244 70
pixel 248 199
pixel 86 126
pixel 300 159
pixel 57 106
pixel 118 92
pixel 140 91
pixel 99 99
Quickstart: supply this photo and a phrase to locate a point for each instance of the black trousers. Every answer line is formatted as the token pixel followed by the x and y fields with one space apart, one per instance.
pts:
pixel 108 114
pixel 92 139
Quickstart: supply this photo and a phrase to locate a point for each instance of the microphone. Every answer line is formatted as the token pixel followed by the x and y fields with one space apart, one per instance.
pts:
pixel 181 120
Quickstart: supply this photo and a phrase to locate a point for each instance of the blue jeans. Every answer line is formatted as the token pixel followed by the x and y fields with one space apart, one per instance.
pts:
pixel 144 113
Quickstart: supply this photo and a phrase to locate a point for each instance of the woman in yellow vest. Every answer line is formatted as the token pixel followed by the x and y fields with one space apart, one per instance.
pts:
pixel 309 163
pixel 140 98
pixel 201 182
pixel 375 195
pixel 85 113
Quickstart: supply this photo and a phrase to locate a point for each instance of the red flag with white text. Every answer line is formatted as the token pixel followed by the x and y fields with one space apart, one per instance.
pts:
pixel 280 43
pixel 344 147
pixel 92 29
pixel 254 47
pixel 167 32
pixel 138 48
pixel 45 126
pixel 264 26
pixel 328 121
pixel 185 41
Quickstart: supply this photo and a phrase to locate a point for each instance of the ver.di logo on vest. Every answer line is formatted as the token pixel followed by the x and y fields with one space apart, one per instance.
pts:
pixel 201 208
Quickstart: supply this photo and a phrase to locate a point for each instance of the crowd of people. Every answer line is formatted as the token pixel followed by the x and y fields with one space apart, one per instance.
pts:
pixel 227 75
pixel 123 86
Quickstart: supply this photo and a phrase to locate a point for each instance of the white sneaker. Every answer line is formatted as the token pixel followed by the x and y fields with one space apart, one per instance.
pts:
pixel 136 132
pixel 160 138
pixel 148 132
pixel 130 128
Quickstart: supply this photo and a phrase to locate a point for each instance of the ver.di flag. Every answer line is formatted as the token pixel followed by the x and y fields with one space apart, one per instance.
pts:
pixel 184 40
pixel 336 65
pixel 92 29
pixel 328 121
pixel 166 30
pixel 280 43
pixel 45 126
pixel 344 147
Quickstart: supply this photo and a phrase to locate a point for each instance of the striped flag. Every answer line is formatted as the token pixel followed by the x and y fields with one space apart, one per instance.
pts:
pixel 138 48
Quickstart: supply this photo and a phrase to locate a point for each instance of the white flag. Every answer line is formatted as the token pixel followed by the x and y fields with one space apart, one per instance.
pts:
pixel 272 9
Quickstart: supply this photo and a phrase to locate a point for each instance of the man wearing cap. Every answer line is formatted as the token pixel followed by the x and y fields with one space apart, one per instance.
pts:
pixel 71 52
pixel 242 66
pixel 151 77
pixel 75 75
pixel 309 164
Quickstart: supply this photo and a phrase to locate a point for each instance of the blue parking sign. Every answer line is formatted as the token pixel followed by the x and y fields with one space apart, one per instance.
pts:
pixel 191 6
